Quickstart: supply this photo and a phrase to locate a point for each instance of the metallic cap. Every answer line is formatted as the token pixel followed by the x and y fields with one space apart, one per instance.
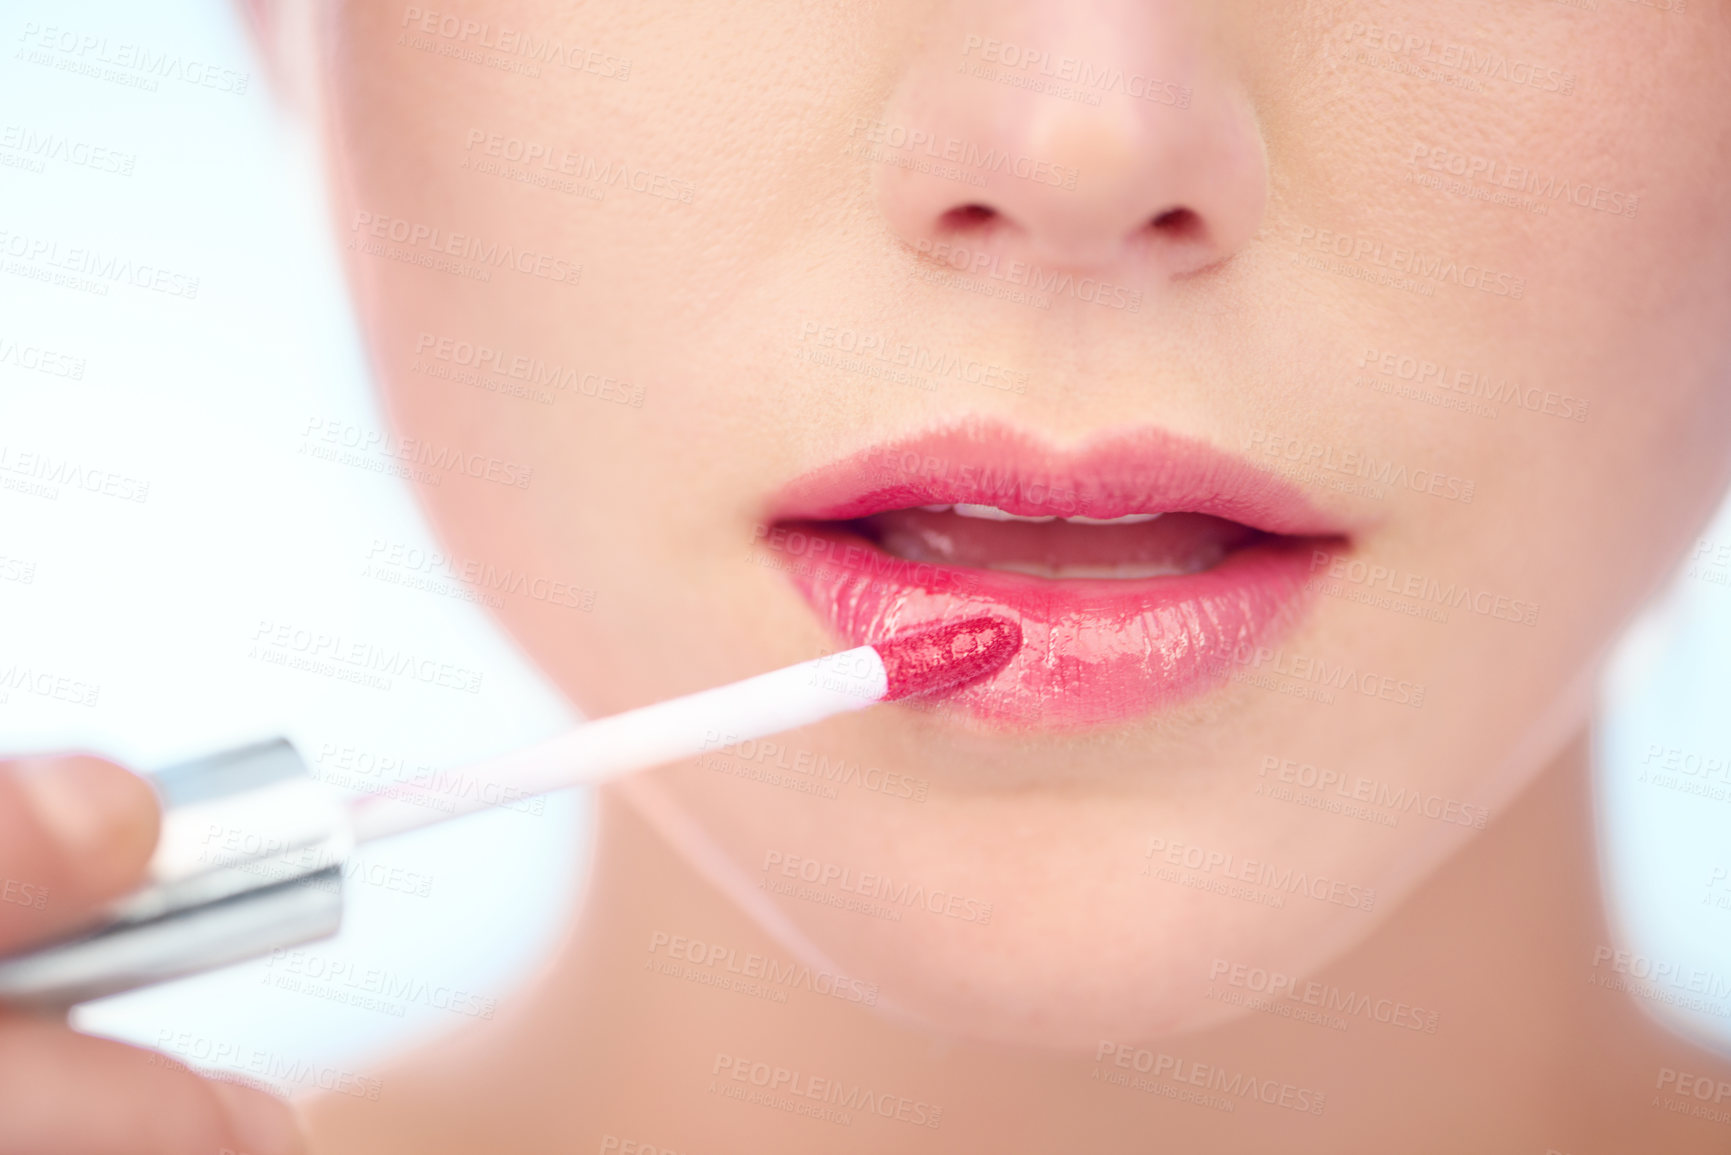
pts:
pixel 250 859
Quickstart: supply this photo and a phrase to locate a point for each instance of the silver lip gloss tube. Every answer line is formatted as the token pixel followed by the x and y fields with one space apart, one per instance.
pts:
pixel 250 860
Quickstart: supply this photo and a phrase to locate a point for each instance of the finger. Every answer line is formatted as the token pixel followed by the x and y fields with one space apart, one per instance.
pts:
pixel 75 830
pixel 63 1093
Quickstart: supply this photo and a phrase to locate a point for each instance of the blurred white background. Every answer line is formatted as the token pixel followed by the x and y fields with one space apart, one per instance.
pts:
pixel 156 604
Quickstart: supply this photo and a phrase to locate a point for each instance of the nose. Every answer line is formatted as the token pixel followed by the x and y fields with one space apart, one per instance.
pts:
pixel 1096 134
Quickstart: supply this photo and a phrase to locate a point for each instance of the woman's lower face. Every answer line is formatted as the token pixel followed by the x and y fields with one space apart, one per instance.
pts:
pixel 1320 391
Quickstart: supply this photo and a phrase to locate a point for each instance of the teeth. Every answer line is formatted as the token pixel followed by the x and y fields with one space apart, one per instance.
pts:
pixel 1127 519
pixel 1127 571
pixel 993 513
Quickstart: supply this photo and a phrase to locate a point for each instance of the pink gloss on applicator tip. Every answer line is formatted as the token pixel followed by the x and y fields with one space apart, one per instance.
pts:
pixel 948 658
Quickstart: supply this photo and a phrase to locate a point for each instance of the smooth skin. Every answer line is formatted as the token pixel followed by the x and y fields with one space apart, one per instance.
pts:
pixel 1270 227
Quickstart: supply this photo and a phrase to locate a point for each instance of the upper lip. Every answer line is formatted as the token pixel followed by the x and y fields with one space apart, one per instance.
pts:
pixel 1139 470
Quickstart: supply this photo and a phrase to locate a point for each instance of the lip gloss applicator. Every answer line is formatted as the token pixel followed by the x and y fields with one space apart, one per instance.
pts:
pixel 927 663
pixel 251 851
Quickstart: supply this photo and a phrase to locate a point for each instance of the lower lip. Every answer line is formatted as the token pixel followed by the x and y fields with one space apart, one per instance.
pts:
pixel 1094 651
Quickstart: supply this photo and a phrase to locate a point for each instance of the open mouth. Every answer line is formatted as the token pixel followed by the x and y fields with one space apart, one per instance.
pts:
pixel 1129 547
pixel 1141 571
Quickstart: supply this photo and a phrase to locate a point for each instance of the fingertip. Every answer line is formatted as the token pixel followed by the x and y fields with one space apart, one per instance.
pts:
pixel 101 819
pixel 262 1123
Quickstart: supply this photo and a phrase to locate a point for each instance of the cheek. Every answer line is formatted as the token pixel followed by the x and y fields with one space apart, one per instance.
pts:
pixel 1575 166
pixel 1588 409
pixel 519 267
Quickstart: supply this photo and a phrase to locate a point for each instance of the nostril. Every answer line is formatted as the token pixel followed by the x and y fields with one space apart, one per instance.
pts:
pixel 1178 224
pixel 968 218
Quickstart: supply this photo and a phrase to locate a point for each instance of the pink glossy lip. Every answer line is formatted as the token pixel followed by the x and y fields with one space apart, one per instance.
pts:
pixel 1094 651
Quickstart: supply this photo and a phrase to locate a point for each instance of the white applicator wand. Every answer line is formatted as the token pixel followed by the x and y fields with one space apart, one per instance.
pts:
pixel 924 664
pixel 250 857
